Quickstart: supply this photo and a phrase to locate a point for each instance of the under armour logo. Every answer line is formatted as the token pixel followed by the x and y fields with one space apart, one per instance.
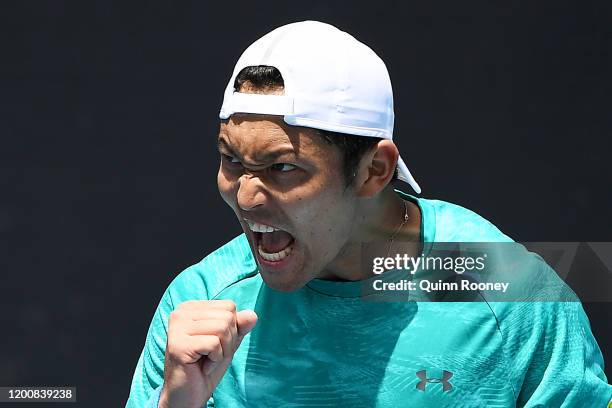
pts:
pixel 446 375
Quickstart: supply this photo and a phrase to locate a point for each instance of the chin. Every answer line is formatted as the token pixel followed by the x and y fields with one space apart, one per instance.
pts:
pixel 282 285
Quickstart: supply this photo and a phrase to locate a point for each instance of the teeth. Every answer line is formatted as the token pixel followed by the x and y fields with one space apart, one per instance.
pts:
pixel 257 227
pixel 276 256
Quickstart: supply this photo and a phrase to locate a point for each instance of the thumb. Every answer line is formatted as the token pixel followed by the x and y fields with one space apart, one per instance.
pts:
pixel 245 320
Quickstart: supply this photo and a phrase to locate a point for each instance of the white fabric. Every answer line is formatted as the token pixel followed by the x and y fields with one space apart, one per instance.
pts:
pixel 262 104
pixel 332 82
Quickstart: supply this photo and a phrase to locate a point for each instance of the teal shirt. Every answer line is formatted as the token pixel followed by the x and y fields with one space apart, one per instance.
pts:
pixel 324 346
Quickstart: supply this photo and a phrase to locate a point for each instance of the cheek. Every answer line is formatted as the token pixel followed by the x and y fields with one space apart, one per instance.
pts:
pixel 226 188
pixel 327 221
pixel 327 236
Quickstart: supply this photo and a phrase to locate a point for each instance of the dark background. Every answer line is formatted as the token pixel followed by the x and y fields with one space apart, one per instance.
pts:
pixel 108 120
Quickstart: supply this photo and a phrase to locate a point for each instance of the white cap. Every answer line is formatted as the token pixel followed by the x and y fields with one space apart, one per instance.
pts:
pixel 331 82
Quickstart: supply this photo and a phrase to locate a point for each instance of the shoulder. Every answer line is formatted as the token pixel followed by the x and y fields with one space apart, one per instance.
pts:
pixel 224 267
pixel 454 223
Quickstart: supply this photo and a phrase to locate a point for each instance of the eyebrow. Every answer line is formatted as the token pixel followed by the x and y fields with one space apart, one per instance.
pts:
pixel 264 157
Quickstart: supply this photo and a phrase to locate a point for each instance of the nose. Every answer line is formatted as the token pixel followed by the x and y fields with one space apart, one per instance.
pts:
pixel 250 192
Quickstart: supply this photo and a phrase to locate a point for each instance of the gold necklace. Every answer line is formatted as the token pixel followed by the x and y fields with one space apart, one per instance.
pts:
pixel 404 221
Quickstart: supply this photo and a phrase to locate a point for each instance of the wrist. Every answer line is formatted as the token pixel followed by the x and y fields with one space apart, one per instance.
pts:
pixel 163 399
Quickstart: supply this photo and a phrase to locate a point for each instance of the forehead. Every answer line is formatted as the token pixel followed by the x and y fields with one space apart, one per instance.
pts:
pixel 249 132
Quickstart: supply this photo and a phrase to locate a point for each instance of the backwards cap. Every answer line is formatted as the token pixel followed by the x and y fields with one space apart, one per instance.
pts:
pixel 331 82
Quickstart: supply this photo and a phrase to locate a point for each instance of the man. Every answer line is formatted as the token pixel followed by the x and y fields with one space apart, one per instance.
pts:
pixel 277 316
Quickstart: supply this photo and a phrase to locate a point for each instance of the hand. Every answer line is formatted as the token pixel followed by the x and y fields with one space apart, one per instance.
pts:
pixel 203 336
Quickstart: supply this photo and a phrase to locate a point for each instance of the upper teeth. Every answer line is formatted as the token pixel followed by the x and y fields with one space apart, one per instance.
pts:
pixel 257 227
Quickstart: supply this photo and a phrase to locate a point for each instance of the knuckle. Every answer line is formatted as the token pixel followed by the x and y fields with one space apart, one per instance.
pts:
pixel 191 304
pixel 227 333
pixel 218 328
pixel 229 304
pixel 184 358
pixel 229 317
pixel 173 317
pixel 184 305
pixel 219 347
pixel 177 342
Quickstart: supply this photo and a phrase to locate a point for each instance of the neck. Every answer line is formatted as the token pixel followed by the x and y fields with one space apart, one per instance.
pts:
pixel 376 221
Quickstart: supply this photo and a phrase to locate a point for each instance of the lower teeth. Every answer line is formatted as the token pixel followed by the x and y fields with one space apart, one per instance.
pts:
pixel 276 256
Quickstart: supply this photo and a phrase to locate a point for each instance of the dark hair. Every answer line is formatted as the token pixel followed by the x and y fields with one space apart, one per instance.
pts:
pixel 353 148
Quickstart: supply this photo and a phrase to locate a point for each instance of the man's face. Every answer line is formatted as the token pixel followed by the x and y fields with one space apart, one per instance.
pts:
pixel 288 178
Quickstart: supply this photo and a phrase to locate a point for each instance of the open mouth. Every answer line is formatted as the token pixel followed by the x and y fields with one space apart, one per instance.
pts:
pixel 273 244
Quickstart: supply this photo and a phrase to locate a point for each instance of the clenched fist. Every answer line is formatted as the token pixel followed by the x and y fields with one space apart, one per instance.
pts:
pixel 203 336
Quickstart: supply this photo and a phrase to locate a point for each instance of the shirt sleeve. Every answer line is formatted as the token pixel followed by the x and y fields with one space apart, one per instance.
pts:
pixel 556 359
pixel 149 374
pixel 153 400
pixel 148 377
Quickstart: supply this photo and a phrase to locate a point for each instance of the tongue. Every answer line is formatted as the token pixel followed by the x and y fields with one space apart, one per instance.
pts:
pixel 276 241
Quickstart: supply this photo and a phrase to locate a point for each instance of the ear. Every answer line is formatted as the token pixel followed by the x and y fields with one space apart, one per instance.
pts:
pixel 376 169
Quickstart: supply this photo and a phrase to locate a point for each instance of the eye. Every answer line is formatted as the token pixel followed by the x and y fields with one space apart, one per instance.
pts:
pixel 230 159
pixel 283 167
